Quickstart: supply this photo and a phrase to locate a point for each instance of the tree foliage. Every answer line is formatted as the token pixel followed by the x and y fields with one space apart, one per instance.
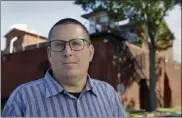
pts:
pixel 150 15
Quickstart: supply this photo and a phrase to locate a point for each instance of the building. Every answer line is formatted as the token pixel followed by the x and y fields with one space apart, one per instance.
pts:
pixel 122 64
pixel 19 39
pixel 22 60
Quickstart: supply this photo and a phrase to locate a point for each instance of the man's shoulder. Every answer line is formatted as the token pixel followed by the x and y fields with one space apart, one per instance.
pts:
pixel 97 81
pixel 26 86
pixel 33 83
pixel 101 84
pixel 23 88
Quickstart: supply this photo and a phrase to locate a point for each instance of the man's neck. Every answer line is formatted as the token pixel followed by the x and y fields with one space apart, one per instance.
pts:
pixel 76 84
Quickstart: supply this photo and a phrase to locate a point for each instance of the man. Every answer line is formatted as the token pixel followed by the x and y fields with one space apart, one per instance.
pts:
pixel 66 89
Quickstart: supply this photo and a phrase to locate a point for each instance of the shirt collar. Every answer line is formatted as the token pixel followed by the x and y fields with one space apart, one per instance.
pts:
pixel 90 86
pixel 54 88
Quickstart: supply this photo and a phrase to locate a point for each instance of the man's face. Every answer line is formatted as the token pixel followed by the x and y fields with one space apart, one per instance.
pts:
pixel 69 63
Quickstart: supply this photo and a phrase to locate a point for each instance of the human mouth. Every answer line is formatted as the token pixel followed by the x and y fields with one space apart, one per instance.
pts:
pixel 67 63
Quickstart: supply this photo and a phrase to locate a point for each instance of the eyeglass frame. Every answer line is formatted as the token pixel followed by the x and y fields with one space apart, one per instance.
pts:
pixel 65 42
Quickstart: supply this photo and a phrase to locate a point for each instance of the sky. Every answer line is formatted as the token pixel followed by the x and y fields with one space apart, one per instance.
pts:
pixel 41 15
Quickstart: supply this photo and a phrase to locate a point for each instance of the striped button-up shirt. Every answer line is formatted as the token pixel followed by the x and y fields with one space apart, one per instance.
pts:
pixel 46 98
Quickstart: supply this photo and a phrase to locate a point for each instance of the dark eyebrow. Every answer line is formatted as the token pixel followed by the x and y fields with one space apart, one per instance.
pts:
pixel 70 40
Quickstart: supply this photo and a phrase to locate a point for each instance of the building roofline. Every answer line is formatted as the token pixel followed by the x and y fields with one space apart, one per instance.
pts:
pixel 117 39
pixel 87 15
pixel 108 33
pixel 26 32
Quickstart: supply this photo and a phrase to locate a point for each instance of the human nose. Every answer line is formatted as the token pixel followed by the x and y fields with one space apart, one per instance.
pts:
pixel 67 50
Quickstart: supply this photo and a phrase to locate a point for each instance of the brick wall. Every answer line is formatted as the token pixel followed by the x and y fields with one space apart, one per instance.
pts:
pixel 31 64
pixel 24 39
pixel 22 67
pixel 31 40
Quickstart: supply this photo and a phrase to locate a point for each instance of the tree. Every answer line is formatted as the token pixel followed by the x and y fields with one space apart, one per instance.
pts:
pixel 148 13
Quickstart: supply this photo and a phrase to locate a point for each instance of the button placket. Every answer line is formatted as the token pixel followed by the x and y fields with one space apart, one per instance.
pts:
pixel 79 109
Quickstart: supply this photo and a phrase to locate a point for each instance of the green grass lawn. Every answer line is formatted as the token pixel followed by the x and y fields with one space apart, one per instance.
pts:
pixel 158 112
pixel 171 110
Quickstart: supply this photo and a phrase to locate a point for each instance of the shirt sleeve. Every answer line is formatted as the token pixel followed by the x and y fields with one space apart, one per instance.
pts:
pixel 118 109
pixel 14 105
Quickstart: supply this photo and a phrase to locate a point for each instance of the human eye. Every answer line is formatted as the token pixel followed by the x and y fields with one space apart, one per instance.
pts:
pixel 57 43
pixel 76 42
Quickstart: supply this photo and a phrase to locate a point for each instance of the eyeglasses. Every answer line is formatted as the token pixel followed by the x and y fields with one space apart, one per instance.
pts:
pixel 75 44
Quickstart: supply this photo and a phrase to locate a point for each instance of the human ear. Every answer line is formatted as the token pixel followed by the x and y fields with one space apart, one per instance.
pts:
pixel 48 53
pixel 91 52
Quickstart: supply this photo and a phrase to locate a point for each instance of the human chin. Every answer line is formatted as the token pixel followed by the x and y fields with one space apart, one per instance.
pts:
pixel 71 72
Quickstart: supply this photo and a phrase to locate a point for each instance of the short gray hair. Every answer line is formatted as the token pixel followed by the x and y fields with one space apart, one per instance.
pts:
pixel 68 21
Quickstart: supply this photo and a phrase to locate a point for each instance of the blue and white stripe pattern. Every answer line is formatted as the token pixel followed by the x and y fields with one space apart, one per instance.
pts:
pixel 46 98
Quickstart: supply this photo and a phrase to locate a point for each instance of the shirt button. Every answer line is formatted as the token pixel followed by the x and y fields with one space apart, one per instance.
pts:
pixel 78 101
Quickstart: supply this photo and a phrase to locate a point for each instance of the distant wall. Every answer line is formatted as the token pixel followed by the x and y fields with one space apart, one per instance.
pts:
pixel 31 64
pixel 22 67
